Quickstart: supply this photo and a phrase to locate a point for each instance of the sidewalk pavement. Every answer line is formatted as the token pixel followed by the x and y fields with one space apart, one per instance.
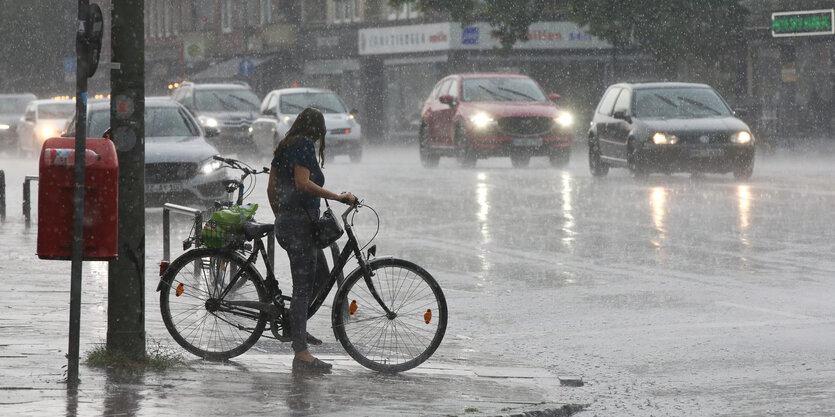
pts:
pixel 34 316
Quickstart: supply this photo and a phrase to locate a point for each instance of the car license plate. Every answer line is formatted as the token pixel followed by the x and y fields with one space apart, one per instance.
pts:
pixel 527 142
pixel 706 153
pixel 171 187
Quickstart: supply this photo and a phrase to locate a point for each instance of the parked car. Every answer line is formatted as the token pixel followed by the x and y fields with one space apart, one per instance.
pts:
pixel 480 115
pixel 280 108
pixel 11 108
pixel 229 107
pixel 668 127
pixel 42 120
pixel 178 159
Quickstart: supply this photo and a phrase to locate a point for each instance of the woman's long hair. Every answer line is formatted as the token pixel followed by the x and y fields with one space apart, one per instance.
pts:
pixel 309 124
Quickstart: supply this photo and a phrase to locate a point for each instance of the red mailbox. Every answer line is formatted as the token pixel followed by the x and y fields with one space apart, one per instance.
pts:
pixel 55 199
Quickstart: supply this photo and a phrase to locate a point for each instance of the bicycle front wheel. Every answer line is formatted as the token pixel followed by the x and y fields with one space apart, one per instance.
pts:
pixel 202 320
pixel 396 342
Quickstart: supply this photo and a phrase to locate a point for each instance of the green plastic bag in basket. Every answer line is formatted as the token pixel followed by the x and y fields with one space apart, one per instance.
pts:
pixel 222 226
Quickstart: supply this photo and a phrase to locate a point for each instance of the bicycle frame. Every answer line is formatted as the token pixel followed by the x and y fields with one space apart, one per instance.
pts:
pixel 351 248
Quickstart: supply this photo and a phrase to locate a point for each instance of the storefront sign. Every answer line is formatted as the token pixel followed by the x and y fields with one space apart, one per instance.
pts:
pixel 541 35
pixel 451 36
pixel 805 23
pixel 397 39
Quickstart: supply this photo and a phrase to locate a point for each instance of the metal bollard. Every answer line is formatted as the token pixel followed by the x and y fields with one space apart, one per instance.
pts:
pixel 27 201
pixel 2 196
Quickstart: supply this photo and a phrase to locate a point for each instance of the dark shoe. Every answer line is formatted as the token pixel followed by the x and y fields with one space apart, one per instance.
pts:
pixel 311 340
pixel 314 366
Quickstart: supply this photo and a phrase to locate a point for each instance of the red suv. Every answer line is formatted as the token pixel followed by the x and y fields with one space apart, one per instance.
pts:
pixel 471 116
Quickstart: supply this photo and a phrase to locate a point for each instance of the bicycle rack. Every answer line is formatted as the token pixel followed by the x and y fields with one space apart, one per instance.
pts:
pixel 197 214
pixel 27 199
pixel 2 196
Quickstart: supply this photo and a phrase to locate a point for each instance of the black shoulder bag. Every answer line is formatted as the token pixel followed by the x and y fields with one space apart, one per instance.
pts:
pixel 326 229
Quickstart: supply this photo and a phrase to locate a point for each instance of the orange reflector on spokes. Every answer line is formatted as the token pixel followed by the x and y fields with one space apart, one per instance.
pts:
pixel 353 308
pixel 427 317
pixel 180 290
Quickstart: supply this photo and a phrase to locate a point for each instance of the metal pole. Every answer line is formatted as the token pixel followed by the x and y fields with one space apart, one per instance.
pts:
pixel 27 199
pixel 81 50
pixel 166 234
pixel 2 196
pixel 126 274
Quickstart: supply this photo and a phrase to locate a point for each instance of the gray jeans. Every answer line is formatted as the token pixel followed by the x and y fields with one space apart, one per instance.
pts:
pixel 308 266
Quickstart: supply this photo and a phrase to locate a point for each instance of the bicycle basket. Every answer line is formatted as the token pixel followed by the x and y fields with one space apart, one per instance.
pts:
pixel 224 226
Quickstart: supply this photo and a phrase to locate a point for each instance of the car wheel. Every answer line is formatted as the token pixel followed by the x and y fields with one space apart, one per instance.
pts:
pixel 744 172
pixel 520 161
pixel 465 155
pixel 428 158
pixel 559 160
pixel 597 167
pixel 634 162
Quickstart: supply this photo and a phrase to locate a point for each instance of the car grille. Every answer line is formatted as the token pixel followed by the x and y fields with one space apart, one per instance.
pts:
pixel 525 126
pixel 169 172
pixel 704 138
pixel 241 122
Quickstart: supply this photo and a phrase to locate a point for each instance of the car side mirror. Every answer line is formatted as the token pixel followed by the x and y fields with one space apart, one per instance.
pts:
pixel 447 99
pixel 621 114
pixel 553 97
pixel 740 112
pixel 211 131
pixel 269 111
pixel 355 112
pixel 30 118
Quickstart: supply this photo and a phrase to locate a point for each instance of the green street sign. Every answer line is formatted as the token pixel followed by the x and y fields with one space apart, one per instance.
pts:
pixel 803 23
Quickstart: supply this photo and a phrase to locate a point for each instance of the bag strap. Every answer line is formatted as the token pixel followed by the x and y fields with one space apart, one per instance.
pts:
pixel 308 213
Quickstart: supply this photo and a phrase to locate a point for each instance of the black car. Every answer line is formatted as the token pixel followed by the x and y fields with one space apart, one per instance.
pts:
pixel 668 127
pixel 229 107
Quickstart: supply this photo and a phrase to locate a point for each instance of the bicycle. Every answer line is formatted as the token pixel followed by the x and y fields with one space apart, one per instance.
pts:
pixel 389 314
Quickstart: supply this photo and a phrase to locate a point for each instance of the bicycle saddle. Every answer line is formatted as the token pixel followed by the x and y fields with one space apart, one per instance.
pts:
pixel 253 230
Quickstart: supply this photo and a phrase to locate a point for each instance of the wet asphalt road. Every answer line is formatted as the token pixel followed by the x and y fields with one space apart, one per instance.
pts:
pixel 668 296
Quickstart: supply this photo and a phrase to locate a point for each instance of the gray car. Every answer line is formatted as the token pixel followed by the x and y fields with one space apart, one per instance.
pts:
pixel 178 159
pixel 12 107
pixel 228 107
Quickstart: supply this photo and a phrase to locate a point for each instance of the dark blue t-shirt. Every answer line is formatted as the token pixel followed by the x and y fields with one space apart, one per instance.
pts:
pixel 289 198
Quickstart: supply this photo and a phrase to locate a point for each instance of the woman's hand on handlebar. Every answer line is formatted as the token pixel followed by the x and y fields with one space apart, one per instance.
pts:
pixel 348 198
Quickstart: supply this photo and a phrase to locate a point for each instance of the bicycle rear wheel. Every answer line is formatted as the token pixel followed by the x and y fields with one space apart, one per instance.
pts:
pixel 198 319
pixel 390 343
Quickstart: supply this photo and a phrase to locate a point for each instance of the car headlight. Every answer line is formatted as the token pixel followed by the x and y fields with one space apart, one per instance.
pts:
pixel 47 132
pixel 210 166
pixel 208 121
pixel 481 120
pixel 661 139
pixel 565 119
pixel 4 127
pixel 741 137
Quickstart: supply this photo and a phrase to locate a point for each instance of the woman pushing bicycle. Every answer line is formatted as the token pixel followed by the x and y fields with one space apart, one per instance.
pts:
pixel 294 191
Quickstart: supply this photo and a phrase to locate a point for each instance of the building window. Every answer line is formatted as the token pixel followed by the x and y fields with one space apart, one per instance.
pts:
pixel 151 18
pixel 406 11
pixel 266 12
pixel 346 11
pixel 167 17
pixel 226 16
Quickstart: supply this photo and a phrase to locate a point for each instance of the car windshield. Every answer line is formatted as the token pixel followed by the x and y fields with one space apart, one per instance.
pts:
pixel 324 102
pixel 159 122
pixel 229 99
pixel 14 105
pixel 56 110
pixel 678 102
pixel 501 89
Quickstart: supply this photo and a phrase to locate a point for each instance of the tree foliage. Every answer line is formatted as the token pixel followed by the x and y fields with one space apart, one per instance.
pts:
pixel 673 30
